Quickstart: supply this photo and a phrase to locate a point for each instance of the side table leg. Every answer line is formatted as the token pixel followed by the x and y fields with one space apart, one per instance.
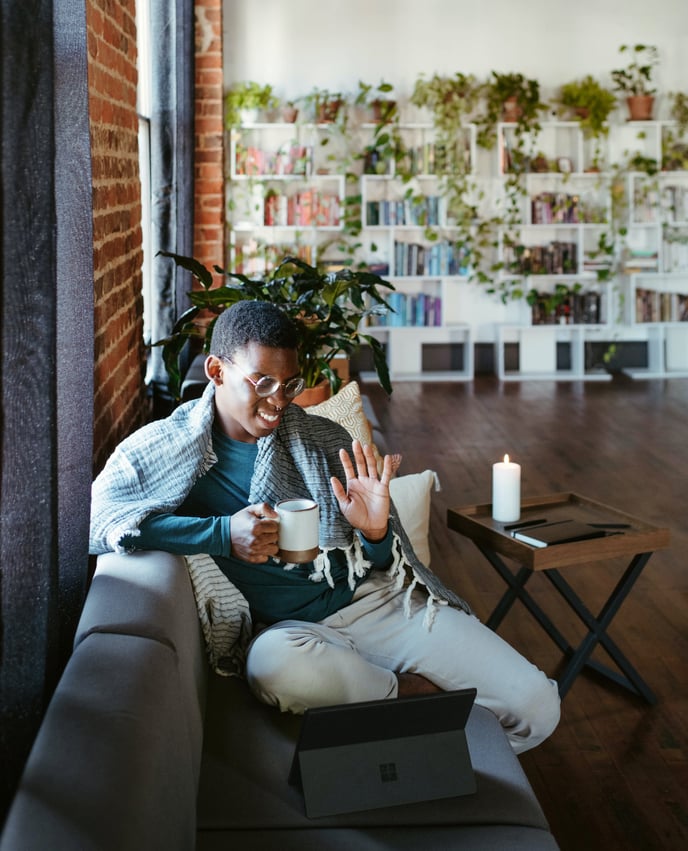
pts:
pixel 513 593
pixel 516 591
pixel 630 678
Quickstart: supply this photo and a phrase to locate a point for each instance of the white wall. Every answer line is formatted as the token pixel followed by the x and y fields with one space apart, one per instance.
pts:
pixel 299 44
pixel 296 45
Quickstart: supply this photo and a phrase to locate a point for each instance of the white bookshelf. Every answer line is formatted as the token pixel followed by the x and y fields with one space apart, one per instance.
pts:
pixel 564 212
pixel 538 347
pixel 426 354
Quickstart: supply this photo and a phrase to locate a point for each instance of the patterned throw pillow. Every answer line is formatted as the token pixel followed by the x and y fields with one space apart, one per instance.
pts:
pixel 346 408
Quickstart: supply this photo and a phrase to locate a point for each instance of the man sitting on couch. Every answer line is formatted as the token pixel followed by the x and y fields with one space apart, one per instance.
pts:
pixel 345 627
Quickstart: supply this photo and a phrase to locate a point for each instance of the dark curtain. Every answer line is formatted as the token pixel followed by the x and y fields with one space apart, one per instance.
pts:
pixel 172 164
pixel 46 366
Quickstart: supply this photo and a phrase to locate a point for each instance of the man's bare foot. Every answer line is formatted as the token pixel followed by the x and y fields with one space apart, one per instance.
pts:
pixel 412 684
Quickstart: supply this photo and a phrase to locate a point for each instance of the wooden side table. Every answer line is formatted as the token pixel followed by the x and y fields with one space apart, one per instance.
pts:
pixel 625 536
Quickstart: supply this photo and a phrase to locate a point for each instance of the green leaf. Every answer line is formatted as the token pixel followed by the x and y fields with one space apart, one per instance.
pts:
pixel 198 270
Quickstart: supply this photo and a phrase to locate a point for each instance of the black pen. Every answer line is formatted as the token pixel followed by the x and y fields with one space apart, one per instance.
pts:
pixel 525 524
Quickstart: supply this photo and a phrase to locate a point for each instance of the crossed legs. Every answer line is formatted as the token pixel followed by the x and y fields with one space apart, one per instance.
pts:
pixel 364 652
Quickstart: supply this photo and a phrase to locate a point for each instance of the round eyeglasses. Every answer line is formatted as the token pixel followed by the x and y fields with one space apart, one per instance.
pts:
pixel 268 386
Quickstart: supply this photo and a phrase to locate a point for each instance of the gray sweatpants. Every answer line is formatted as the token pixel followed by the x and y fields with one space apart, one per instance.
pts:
pixel 355 654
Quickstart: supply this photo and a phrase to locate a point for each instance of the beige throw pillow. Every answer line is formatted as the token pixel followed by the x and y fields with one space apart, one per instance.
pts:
pixel 411 495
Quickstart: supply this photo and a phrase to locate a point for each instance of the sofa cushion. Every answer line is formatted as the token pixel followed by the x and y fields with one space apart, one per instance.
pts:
pixel 428 838
pixel 248 752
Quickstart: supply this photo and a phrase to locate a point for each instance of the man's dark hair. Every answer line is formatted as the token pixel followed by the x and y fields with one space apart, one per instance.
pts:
pixel 252 322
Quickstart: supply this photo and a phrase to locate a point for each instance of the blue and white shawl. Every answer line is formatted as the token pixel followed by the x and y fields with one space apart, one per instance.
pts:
pixel 153 470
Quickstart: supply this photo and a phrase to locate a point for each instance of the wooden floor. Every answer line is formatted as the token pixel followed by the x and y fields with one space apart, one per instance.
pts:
pixel 615 773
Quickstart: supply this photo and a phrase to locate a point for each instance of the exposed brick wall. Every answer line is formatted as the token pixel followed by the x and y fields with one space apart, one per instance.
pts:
pixel 209 174
pixel 119 353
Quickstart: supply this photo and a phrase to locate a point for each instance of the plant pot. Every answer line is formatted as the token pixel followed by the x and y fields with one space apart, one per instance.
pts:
pixel 248 115
pixel 328 111
pixel 640 107
pixel 381 109
pixel 289 114
pixel 511 111
pixel 314 395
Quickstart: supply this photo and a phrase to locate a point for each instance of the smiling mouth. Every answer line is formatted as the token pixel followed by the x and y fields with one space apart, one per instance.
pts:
pixel 270 418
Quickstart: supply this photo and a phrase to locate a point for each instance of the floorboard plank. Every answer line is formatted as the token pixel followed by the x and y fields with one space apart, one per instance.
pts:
pixel 614 775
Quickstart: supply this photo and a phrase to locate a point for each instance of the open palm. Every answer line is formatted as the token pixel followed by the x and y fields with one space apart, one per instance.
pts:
pixel 365 499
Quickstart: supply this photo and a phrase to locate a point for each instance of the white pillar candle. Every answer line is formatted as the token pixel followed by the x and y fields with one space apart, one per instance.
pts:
pixel 506 491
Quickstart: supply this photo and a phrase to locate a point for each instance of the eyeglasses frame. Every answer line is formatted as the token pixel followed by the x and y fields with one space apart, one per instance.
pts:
pixel 282 384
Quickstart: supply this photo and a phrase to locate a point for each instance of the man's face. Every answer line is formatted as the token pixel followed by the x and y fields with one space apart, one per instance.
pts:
pixel 242 414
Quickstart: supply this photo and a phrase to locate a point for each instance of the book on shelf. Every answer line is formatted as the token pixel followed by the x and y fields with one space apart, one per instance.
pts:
pixel 438 259
pixel 252 160
pixel 675 203
pixel 641 261
pixel 576 308
pixel 404 213
pixel 655 306
pixel 379 268
pixel 556 258
pixel 557 208
pixel 417 310
pixel 308 208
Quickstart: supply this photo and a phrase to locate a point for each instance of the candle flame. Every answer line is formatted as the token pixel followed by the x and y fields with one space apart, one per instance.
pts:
pixel 506 459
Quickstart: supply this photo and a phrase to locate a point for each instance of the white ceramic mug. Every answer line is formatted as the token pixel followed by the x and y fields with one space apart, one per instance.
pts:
pixel 299 525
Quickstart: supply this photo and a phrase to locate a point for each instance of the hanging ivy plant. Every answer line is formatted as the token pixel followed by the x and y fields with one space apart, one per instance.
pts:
pixel 454 101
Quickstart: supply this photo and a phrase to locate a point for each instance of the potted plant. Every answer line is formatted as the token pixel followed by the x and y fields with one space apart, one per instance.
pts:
pixel 328 307
pixel 548 308
pixel 385 146
pixel 383 108
pixel 591 104
pixel 511 98
pixel 452 102
pixel 324 106
pixel 289 112
pixel 243 101
pixel 635 80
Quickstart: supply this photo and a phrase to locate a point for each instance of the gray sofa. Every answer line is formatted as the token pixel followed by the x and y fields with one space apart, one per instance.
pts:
pixel 143 747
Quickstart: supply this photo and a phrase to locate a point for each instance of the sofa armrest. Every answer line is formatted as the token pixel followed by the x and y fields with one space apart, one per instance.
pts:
pixel 149 595
pixel 116 761
pixel 112 766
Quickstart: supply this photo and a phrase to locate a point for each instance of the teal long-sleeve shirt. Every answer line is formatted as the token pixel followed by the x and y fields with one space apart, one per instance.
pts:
pixel 202 524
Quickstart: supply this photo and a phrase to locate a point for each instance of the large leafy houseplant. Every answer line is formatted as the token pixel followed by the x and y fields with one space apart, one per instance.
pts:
pixel 328 307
